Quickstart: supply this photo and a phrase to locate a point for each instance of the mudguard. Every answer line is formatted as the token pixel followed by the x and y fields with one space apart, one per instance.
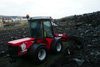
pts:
pixel 64 37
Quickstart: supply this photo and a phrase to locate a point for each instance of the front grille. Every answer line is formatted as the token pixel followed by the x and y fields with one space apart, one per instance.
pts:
pixel 13 50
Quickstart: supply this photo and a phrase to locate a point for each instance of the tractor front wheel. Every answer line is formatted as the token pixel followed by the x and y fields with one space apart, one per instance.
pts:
pixel 40 55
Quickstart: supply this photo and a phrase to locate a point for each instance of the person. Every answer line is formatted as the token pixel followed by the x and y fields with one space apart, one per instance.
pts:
pixel 38 29
pixel 3 22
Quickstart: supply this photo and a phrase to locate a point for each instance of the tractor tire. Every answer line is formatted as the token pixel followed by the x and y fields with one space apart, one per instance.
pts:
pixel 57 48
pixel 40 55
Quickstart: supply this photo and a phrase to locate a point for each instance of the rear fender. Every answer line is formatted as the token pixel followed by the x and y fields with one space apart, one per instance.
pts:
pixel 64 37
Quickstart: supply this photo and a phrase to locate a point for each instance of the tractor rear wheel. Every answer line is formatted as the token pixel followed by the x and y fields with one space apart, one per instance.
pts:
pixel 57 48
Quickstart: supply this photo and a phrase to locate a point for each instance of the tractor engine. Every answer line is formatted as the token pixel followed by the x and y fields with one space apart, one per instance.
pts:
pixel 20 46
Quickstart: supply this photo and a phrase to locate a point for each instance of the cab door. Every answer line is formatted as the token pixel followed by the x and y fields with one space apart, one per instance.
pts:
pixel 48 33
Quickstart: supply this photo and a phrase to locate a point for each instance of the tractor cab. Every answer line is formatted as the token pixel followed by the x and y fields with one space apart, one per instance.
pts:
pixel 40 27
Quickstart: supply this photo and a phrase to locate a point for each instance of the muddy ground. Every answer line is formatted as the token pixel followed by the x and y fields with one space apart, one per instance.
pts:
pixel 24 61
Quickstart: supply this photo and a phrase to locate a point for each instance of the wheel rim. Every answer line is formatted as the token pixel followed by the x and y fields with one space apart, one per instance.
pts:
pixel 42 54
pixel 59 47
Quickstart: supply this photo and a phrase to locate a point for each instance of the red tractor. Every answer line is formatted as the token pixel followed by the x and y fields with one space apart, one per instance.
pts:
pixel 42 39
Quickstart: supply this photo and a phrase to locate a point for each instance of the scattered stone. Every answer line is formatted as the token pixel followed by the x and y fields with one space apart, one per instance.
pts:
pixel 3 52
pixel 79 61
pixel 87 31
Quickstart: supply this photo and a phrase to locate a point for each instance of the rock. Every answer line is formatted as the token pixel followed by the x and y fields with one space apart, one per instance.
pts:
pixel 89 45
pixel 3 52
pixel 95 35
pixel 79 61
pixel 87 31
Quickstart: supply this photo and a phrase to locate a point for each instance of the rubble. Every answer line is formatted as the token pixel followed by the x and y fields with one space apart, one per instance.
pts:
pixel 86 35
pixel 79 61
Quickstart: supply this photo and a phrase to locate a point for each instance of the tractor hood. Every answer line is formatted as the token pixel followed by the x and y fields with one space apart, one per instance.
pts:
pixel 19 41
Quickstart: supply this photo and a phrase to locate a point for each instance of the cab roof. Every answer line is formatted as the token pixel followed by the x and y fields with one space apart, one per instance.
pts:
pixel 40 17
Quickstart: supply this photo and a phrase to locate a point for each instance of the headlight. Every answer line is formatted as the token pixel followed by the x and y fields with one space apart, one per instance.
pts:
pixel 23 46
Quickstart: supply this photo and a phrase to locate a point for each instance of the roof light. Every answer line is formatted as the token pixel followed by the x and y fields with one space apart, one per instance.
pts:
pixel 27 16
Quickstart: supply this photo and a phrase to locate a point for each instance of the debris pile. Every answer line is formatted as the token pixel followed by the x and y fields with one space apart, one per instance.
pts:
pixel 85 35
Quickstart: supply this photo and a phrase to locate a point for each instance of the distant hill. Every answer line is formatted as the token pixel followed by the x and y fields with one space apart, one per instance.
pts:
pixel 10 16
pixel 85 18
pixel 1 15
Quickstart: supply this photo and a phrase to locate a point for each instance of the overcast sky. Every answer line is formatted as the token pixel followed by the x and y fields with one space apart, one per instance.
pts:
pixel 54 8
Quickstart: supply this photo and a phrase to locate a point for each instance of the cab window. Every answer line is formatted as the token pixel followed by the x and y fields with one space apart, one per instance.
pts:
pixel 36 29
pixel 48 33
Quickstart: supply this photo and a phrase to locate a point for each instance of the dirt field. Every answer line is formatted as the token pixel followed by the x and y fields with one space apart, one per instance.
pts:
pixel 25 62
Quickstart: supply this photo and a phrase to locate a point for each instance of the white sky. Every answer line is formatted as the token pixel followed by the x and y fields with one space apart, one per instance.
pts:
pixel 54 8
